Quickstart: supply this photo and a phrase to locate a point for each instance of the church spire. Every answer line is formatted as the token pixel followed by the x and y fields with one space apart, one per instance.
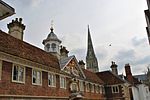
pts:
pixel 91 60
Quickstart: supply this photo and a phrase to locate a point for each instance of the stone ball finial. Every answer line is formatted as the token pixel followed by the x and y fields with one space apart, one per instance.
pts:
pixel 16 19
pixel 20 19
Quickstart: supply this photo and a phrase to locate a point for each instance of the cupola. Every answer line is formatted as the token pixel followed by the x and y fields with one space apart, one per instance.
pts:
pixel 52 43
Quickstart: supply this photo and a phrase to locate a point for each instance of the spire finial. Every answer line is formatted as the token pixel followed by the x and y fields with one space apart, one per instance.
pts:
pixel 88 28
pixel 52 24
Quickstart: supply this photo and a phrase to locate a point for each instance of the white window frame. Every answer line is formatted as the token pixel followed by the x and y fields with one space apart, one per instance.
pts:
pixel 87 87
pixel 100 89
pixel 0 69
pixel 62 84
pixel 103 89
pixel 92 88
pixel 115 89
pixel 37 70
pixel 81 84
pixel 19 67
pixel 53 76
pixel 97 88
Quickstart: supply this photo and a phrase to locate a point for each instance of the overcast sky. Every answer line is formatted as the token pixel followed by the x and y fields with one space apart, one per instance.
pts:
pixel 120 23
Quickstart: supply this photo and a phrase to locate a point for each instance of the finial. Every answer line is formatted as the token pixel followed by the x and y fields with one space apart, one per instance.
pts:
pixel 88 26
pixel 52 25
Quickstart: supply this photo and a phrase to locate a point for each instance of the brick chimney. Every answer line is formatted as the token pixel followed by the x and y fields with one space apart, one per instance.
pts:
pixel 81 64
pixel 16 28
pixel 128 73
pixel 114 68
pixel 63 52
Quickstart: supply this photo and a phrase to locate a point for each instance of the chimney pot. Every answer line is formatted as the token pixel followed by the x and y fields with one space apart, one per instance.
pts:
pixel 16 28
pixel 128 73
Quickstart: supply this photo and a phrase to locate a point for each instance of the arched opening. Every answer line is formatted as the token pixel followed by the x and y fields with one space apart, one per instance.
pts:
pixel 53 47
pixel 47 47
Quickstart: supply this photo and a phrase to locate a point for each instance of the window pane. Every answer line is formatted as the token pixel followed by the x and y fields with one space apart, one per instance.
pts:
pixel 62 82
pixel 52 79
pixel 15 73
pixel 34 76
pixel 38 77
pixel 49 79
pixel 20 73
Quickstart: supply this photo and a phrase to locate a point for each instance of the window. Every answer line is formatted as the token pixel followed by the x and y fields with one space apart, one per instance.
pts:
pixel 36 77
pixel 62 82
pixel 18 73
pixel 48 47
pixel 51 80
pixel 87 87
pixel 103 89
pixel 100 89
pixel 0 69
pixel 92 88
pixel 115 89
pixel 53 46
pixel 97 89
pixel 81 84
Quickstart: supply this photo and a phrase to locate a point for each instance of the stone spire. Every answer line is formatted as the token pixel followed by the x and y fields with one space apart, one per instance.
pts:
pixel 91 60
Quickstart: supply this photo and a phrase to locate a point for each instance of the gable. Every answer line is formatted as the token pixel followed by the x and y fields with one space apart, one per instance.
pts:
pixel 71 67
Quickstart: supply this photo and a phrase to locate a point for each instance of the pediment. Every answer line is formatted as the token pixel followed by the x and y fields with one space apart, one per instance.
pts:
pixel 72 67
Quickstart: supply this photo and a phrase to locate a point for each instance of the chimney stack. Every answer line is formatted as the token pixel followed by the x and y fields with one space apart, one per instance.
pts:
pixel 128 73
pixel 16 28
pixel 114 68
pixel 63 52
pixel 81 64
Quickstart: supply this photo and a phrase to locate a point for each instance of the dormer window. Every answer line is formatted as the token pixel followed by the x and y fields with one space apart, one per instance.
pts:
pixel 48 47
pixel 53 46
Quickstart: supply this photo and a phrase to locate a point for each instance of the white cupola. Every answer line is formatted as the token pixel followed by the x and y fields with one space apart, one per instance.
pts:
pixel 52 43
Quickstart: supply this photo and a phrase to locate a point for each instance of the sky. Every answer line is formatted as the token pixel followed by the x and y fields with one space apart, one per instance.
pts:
pixel 120 23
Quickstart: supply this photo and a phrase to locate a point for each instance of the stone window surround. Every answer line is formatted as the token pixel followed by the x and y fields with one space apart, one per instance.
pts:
pixel 92 87
pixel 62 83
pixel 81 86
pixel 37 70
pixel 53 76
pixel 115 89
pixel 17 81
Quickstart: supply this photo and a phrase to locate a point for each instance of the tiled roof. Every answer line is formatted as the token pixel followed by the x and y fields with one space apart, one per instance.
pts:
pixel 141 77
pixel 109 78
pixel 19 48
pixel 90 76
pixel 65 60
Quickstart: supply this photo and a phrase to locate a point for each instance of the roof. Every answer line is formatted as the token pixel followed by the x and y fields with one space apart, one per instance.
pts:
pixel 141 77
pixel 64 61
pixel 5 10
pixel 19 48
pixel 90 76
pixel 109 78
pixel 51 37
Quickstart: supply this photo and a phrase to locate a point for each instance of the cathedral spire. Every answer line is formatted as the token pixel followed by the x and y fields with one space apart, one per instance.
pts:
pixel 91 60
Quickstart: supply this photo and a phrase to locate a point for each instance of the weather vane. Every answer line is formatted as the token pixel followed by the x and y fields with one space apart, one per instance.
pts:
pixel 52 23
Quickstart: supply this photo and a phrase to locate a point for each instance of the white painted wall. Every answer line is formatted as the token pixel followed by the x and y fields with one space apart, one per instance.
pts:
pixel 141 92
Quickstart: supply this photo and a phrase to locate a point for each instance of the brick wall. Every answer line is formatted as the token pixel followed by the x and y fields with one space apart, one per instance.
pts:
pixel 7 87
pixel 111 95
